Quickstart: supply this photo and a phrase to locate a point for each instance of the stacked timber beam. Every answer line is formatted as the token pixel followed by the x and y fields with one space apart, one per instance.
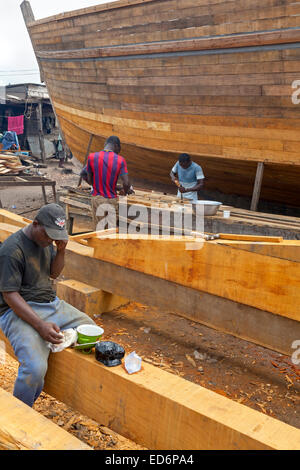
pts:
pixel 22 428
pixel 10 164
pixel 249 289
pixel 168 412
pixel 160 410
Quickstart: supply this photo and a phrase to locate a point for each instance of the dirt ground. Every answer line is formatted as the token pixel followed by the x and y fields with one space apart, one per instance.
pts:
pixel 249 374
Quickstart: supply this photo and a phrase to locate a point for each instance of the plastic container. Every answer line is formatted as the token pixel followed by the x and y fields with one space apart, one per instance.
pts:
pixel 89 333
pixel 226 214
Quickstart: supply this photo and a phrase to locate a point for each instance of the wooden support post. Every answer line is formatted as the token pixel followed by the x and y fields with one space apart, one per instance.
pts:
pixel 86 156
pixel 54 191
pixel 88 299
pixel 44 194
pixel 160 410
pixel 39 113
pixel 257 186
pixel 22 428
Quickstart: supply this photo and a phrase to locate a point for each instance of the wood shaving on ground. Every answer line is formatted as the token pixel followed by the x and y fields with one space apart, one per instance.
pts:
pixel 87 430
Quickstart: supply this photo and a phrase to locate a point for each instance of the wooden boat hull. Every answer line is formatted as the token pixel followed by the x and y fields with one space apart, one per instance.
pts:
pixel 167 77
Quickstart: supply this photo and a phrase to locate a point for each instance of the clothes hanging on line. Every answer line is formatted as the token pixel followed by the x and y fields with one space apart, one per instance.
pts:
pixel 16 124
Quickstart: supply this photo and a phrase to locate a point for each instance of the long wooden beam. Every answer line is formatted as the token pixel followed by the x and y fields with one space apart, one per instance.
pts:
pixel 22 428
pixel 183 415
pixel 160 410
pixel 262 281
pixel 184 45
pixel 258 326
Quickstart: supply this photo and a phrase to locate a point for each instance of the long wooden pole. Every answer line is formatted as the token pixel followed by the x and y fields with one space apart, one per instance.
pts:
pixel 257 186
pixel 87 154
pixel 39 113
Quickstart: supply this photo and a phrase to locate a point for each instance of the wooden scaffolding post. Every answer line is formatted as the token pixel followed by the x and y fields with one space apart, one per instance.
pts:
pixel 39 115
pixel 257 186
pixel 86 156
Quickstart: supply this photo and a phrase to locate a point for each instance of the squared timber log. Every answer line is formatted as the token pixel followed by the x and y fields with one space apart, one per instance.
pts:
pixel 275 332
pixel 88 299
pixel 22 428
pixel 160 410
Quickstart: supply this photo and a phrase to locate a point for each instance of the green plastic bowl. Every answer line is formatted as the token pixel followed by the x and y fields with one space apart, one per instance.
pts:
pixel 89 333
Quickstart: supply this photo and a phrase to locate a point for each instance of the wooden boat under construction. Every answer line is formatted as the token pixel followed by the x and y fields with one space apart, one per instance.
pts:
pixel 217 79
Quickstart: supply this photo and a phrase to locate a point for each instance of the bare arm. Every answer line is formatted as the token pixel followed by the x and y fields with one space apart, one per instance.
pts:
pixel 86 176
pixel 126 183
pixel 174 178
pixel 58 263
pixel 197 187
pixel 48 331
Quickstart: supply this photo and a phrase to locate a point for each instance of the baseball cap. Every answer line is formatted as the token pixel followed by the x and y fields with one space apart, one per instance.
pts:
pixel 53 218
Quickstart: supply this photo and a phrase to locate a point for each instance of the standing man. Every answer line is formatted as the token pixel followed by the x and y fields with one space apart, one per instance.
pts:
pixel 31 316
pixel 102 172
pixel 60 151
pixel 188 177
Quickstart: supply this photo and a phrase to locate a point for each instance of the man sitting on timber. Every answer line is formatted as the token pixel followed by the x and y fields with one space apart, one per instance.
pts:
pixel 188 177
pixel 102 172
pixel 30 313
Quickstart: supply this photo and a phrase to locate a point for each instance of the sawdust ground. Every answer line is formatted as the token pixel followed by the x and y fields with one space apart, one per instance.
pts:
pixel 87 430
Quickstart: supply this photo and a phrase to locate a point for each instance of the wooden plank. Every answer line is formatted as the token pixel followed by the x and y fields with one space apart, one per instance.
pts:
pixel 234 41
pixel 22 428
pixel 253 238
pixel 160 410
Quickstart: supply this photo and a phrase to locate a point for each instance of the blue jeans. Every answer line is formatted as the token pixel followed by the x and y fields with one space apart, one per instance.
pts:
pixel 31 349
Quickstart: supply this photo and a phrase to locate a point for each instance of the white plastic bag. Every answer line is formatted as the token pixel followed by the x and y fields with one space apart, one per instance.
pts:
pixel 69 338
pixel 133 363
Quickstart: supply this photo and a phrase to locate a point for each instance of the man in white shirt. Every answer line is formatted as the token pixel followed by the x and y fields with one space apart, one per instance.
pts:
pixel 188 177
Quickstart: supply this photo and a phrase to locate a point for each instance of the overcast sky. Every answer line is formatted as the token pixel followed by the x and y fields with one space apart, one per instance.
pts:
pixel 17 59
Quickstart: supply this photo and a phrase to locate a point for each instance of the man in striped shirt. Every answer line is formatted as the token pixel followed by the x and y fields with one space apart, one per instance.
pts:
pixel 102 172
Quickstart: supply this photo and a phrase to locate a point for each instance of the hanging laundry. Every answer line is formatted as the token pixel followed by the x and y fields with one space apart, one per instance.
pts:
pixel 16 124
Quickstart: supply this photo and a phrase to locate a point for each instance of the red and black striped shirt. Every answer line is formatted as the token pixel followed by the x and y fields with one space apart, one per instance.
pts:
pixel 105 168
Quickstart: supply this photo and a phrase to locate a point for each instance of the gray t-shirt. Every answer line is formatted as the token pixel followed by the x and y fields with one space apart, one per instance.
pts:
pixel 188 178
pixel 25 268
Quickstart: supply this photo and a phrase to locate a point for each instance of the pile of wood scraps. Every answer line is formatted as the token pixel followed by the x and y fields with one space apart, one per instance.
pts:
pixel 10 164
